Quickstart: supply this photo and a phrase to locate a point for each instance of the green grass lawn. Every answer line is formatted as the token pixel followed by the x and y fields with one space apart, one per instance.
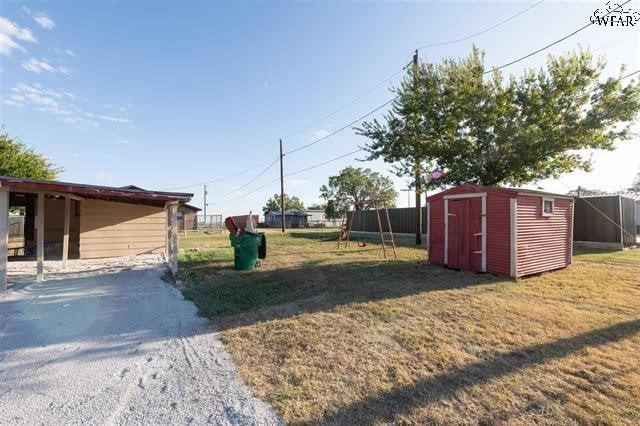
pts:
pixel 342 336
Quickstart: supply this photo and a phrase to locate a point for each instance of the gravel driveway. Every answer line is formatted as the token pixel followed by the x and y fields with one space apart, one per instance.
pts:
pixel 110 342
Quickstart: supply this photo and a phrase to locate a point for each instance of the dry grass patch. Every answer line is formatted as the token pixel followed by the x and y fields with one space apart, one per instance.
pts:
pixel 348 338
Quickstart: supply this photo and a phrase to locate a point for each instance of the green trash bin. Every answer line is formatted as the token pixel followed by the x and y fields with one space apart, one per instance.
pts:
pixel 245 250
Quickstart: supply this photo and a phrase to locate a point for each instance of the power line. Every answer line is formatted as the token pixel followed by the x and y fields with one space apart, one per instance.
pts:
pixel 420 48
pixel 356 100
pixel 250 181
pixel 599 211
pixel 218 179
pixel 402 70
pixel 391 100
pixel 629 75
pixel 445 43
pixel 486 72
pixel 291 174
pixel 324 162
pixel 553 43
pixel 340 129
pixel 248 193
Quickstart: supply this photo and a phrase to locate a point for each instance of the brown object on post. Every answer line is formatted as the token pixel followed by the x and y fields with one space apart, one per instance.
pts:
pixel 231 225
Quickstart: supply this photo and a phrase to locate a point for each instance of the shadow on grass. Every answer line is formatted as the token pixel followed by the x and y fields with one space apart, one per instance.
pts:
pixel 318 236
pixel 236 299
pixel 385 407
pixel 333 236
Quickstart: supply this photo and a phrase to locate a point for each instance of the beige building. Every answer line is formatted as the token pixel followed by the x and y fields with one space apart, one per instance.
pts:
pixel 78 221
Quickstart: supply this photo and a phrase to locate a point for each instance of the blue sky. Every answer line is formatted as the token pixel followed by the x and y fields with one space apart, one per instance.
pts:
pixel 168 94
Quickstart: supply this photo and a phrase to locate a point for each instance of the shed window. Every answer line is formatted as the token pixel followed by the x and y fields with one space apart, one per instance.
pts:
pixel 548 206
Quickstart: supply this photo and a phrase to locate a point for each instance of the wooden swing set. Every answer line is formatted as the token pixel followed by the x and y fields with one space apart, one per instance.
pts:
pixel 386 237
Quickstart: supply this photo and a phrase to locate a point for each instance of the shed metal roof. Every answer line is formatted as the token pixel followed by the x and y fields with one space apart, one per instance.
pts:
pixel 91 191
pixel 512 191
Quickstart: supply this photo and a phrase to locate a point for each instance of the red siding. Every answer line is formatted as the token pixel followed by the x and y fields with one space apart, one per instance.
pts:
pixel 498 226
pixel 499 232
pixel 436 231
pixel 544 243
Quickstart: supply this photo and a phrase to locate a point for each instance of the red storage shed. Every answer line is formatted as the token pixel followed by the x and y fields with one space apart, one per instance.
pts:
pixel 504 231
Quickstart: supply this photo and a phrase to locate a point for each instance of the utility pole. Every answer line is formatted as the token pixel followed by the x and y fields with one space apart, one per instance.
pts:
pixel 282 186
pixel 205 203
pixel 408 191
pixel 418 182
pixel 579 188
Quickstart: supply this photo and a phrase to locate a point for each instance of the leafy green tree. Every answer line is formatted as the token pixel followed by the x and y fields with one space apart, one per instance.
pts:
pixel 332 210
pixel 489 130
pixel 356 186
pixel 18 160
pixel 273 203
pixel 317 206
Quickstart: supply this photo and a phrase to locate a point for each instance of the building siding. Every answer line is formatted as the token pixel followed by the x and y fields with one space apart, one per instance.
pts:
pixel 436 230
pixel 544 242
pixel 498 226
pixel 498 233
pixel 109 229
pixel 54 228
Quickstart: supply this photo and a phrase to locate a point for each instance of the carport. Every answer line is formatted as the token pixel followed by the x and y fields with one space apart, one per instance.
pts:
pixel 69 220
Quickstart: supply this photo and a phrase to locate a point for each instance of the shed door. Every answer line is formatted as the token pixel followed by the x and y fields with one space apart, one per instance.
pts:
pixel 465 234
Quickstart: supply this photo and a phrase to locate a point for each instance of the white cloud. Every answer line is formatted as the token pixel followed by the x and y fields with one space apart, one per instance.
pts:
pixel 57 103
pixel 113 119
pixel 13 103
pixel 8 45
pixel 26 94
pixel 66 53
pixel 41 18
pixel 49 101
pixel 39 65
pixel 79 121
pixel 39 89
pixel 319 134
pixel 9 33
pixel 13 30
pixel 44 21
pixel 298 182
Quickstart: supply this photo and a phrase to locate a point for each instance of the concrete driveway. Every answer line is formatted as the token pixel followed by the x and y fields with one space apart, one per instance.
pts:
pixel 112 343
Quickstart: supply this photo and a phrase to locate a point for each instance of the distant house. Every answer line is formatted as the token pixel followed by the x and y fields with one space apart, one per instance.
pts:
pixel 314 217
pixel 293 218
pixel 609 221
pixel 188 217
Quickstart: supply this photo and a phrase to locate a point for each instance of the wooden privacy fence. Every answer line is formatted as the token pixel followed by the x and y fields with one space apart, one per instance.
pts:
pixel 606 219
pixel 403 220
